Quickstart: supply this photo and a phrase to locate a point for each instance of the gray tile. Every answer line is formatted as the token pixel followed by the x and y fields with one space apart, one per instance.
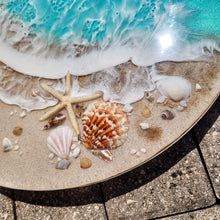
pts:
pixel 208 134
pixel 6 204
pixel 173 182
pixel 82 203
pixel 212 213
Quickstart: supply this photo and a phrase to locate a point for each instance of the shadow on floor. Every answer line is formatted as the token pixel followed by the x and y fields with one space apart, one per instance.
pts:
pixel 124 183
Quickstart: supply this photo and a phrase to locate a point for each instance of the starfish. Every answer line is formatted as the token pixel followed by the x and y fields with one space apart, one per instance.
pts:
pixel 66 102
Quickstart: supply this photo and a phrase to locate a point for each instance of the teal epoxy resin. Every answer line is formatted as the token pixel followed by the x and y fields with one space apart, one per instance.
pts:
pixel 85 36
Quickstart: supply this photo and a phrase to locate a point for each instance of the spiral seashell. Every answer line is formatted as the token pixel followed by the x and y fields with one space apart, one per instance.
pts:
pixel 167 114
pixel 105 125
pixel 59 141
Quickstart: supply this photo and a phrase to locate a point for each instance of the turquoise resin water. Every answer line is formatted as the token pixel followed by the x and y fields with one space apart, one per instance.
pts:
pixel 85 36
pixel 103 21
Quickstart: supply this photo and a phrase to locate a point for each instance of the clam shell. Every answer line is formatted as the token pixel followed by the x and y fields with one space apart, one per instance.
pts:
pixel 105 125
pixel 175 88
pixel 59 141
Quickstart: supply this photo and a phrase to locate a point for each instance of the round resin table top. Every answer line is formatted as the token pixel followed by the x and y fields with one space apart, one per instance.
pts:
pixel 28 165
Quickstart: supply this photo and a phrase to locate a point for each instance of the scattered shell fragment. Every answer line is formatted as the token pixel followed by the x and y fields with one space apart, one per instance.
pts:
pixel 54 121
pixel 6 144
pixel 138 154
pixel 133 151
pixel 183 103
pixel 17 131
pixel 35 92
pixel 167 114
pixel 175 88
pixel 149 97
pixel 23 114
pixel 16 147
pixel 180 108
pixel 103 154
pixel 85 163
pixel 198 87
pixel 105 125
pixel 63 164
pixel 75 153
pixel 146 112
pixel 128 108
pixel 144 126
pixel 51 156
pixel 11 113
pixel 161 100
pixel 73 146
pixel 20 153
pixel 75 139
pixel 59 141
pixel 143 150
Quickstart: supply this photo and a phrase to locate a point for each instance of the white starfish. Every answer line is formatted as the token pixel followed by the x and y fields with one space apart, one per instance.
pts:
pixel 66 102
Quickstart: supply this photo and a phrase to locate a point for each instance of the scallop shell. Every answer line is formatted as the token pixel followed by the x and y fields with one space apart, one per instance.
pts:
pixel 105 125
pixel 59 141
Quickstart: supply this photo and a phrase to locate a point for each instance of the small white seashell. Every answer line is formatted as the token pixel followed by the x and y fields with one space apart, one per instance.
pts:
pixel 75 139
pixel 59 141
pixel 144 126
pixel 63 164
pixel 127 108
pixel 51 156
pixel 73 146
pixel 138 154
pixel 198 87
pixel 175 88
pixel 20 153
pixel 16 147
pixel 143 150
pixel 133 151
pixel 11 113
pixel 183 103
pixel 180 108
pixel 161 100
pixel 6 144
pixel 76 152
pixel 23 114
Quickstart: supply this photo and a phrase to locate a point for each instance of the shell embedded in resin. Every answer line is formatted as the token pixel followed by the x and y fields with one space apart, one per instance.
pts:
pixel 105 125
pixel 59 141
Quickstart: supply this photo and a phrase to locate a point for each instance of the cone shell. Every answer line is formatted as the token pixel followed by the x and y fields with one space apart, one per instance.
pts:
pixel 59 141
pixel 105 125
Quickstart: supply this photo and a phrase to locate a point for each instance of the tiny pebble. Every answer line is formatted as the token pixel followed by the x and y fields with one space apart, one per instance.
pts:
pixel 130 201
pixel 198 87
pixel 127 108
pixel 16 147
pixel 183 103
pixel 23 114
pixel 85 163
pixel 11 113
pixel 143 150
pixel 138 154
pixel 133 151
pixel 51 156
pixel 6 144
pixel 161 100
pixel 16 141
pixel 144 126
pixel 180 108
pixel 20 153
pixel 17 131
